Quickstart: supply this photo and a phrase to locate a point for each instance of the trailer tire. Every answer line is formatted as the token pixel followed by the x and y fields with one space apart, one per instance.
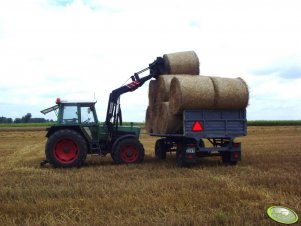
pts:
pixel 128 151
pixel 66 148
pixel 180 155
pixel 160 148
pixel 226 158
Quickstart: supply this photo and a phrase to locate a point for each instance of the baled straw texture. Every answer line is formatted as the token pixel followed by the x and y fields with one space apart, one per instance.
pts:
pixel 195 92
pixel 167 122
pixel 148 120
pixel 182 63
pixel 151 118
pixel 153 92
pixel 163 86
pixel 230 93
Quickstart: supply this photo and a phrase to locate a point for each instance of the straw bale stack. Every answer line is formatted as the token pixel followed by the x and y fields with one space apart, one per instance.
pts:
pixel 191 93
pixel 230 93
pixel 148 119
pixel 168 122
pixel 163 87
pixel 151 118
pixel 180 89
pixel 182 63
pixel 152 92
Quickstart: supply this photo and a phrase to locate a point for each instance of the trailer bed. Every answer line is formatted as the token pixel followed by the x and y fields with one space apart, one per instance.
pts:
pixel 212 124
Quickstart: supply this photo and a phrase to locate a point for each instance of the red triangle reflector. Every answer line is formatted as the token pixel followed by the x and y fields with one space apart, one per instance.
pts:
pixel 197 127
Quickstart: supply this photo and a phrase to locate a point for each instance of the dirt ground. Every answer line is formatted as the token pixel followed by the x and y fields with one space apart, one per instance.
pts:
pixel 155 192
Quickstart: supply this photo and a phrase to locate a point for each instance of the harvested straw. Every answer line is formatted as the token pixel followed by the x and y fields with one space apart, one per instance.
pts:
pixel 153 92
pixel 148 120
pixel 182 63
pixel 166 121
pixel 195 92
pixel 230 93
pixel 164 86
pixel 151 124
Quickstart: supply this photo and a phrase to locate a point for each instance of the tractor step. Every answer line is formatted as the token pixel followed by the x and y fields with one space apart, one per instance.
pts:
pixel 95 148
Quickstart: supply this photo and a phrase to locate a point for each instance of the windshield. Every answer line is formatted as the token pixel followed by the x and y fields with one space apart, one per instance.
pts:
pixel 70 114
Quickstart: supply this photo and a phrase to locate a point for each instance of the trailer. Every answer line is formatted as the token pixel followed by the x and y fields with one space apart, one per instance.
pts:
pixel 220 127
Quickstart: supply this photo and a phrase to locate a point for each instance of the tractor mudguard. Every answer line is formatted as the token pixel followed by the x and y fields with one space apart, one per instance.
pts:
pixel 53 129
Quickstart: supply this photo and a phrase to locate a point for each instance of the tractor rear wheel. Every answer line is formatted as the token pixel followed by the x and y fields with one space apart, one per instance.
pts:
pixel 66 148
pixel 128 151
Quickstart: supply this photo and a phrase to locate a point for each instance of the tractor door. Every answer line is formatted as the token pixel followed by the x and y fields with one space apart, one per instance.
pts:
pixel 89 123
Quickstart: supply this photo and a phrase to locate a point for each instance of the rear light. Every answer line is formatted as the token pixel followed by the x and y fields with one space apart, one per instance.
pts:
pixel 235 155
pixel 197 127
pixel 58 100
pixel 190 157
pixel 236 145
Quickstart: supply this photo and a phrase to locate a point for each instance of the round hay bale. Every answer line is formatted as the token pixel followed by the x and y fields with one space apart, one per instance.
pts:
pixel 230 93
pixel 148 120
pixel 167 122
pixel 182 63
pixel 196 92
pixel 151 118
pixel 163 86
pixel 153 92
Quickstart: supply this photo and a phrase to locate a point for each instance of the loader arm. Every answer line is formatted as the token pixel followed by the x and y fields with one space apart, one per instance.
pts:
pixel 114 115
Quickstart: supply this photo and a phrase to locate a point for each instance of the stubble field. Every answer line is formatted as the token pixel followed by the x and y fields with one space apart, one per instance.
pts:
pixel 152 193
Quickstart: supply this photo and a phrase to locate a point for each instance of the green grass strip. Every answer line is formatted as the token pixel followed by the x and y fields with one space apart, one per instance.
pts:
pixel 274 123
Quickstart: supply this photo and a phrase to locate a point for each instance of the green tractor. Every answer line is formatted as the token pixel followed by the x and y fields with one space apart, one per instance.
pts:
pixel 78 132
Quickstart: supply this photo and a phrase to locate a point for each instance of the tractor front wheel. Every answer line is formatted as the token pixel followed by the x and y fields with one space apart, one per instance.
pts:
pixel 128 151
pixel 66 148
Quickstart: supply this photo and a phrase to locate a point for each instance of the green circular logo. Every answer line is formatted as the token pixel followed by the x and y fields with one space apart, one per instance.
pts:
pixel 282 214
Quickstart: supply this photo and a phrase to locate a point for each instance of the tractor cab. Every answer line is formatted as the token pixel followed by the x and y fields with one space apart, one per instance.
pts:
pixel 74 113
pixel 77 113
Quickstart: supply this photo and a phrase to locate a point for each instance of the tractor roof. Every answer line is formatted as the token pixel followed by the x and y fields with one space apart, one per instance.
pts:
pixel 64 102
pixel 59 101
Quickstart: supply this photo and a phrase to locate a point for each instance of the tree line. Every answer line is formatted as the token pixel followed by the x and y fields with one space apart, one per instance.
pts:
pixel 24 119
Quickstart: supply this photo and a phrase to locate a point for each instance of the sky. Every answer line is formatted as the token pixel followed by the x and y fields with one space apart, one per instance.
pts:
pixel 84 49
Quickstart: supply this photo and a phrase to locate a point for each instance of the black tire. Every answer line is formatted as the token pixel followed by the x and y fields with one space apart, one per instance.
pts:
pixel 180 155
pixel 226 159
pixel 181 151
pixel 112 156
pixel 160 149
pixel 202 144
pixel 128 151
pixel 66 148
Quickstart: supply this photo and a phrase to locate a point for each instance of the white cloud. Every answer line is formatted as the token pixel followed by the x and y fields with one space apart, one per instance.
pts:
pixel 74 48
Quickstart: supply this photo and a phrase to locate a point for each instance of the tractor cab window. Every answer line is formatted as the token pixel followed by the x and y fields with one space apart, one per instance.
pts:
pixel 87 115
pixel 70 114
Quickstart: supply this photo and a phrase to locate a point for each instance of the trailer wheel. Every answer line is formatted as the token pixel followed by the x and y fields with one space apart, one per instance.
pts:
pixel 128 151
pixel 181 151
pixel 160 149
pixel 66 148
pixel 180 155
pixel 202 144
pixel 226 158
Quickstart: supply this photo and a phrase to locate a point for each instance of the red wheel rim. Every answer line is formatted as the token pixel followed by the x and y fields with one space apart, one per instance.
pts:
pixel 66 151
pixel 129 153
